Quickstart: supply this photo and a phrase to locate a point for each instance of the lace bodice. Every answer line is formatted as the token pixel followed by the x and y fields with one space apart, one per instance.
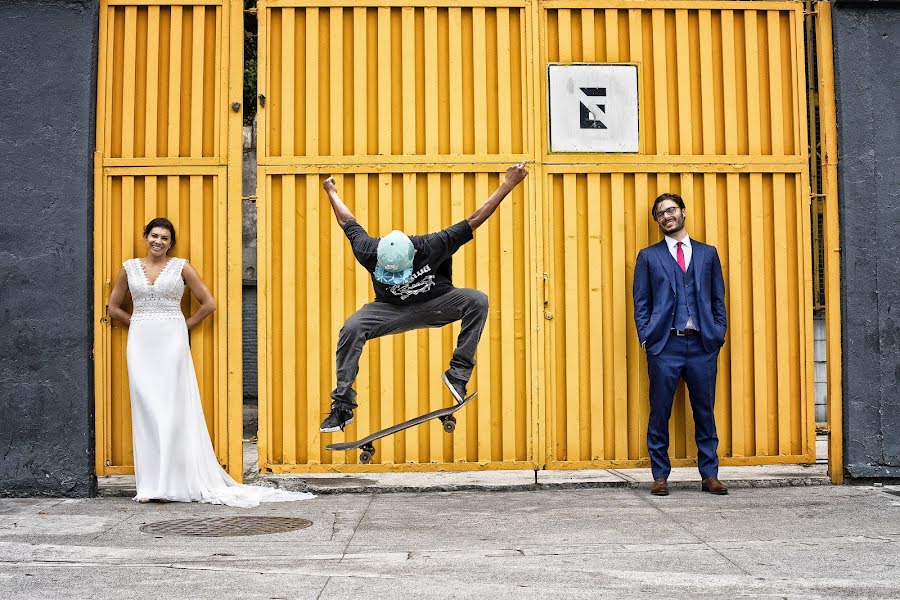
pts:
pixel 162 300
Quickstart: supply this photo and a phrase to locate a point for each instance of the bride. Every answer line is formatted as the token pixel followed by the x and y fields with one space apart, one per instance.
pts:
pixel 173 455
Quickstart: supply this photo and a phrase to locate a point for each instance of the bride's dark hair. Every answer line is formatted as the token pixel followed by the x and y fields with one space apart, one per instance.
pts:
pixel 163 223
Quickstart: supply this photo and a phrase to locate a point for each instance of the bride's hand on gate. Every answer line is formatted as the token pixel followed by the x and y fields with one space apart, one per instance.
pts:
pixel 117 297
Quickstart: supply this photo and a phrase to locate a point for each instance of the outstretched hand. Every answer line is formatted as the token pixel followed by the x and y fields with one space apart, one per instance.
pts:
pixel 329 186
pixel 514 176
pixel 516 173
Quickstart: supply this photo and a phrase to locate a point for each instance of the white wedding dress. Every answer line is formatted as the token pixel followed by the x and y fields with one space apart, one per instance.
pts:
pixel 173 454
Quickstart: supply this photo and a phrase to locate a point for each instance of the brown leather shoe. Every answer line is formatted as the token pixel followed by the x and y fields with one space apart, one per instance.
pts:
pixel 714 486
pixel 659 487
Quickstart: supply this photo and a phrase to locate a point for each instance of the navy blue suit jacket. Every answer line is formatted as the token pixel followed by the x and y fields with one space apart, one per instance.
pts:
pixel 654 295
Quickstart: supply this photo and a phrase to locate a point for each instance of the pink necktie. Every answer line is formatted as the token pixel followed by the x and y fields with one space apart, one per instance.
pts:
pixel 679 256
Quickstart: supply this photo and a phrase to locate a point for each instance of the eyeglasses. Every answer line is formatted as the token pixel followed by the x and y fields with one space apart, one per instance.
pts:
pixel 665 214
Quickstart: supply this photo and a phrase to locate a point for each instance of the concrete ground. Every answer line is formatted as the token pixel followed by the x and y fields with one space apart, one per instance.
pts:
pixel 620 542
pixel 783 532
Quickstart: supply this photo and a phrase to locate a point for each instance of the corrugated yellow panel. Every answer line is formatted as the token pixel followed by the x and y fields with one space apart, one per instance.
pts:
pixel 313 283
pixel 763 412
pixel 164 85
pixel 414 81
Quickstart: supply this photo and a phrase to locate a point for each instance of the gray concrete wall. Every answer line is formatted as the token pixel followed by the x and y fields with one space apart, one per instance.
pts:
pixel 48 52
pixel 867 71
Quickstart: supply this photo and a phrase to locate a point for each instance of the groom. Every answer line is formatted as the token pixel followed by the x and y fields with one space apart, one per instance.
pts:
pixel 412 277
pixel 679 311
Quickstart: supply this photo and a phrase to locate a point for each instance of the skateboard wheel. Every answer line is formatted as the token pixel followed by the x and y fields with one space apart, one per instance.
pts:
pixel 450 425
pixel 365 457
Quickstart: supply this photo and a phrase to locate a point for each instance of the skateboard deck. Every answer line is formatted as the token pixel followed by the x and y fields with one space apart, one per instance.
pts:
pixel 368 450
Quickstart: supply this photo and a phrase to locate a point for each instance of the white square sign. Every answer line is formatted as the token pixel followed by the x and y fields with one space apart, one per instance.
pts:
pixel 593 107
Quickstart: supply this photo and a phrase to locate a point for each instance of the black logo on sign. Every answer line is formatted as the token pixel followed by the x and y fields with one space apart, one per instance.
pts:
pixel 591 108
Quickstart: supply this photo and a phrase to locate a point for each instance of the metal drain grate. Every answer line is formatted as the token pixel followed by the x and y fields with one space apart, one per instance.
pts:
pixel 226 526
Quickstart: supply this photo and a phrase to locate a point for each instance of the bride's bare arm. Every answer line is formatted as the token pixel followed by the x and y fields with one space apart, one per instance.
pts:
pixel 201 292
pixel 117 297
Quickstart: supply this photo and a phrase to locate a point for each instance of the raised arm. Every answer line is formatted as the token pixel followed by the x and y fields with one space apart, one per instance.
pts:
pixel 514 176
pixel 117 297
pixel 341 212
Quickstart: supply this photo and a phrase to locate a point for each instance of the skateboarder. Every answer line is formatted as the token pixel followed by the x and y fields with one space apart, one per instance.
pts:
pixel 413 290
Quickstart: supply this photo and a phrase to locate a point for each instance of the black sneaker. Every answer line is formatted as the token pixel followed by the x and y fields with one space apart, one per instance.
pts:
pixel 336 420
pixel 456 386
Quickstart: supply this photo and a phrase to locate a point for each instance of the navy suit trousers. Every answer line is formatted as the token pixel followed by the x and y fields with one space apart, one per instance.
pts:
pixel 683 357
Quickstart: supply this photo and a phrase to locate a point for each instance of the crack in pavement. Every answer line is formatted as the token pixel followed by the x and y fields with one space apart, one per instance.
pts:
pixel 349 541
pixel 642 495
pixel 185 567
pixel 110 528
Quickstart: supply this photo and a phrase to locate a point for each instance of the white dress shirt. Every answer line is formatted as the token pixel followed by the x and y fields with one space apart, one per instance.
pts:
pixel 686 248
pixel 688 252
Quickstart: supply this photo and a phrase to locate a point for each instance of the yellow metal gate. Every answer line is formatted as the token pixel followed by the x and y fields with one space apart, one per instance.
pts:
pixel 168 144
pixel 723 123
pixel 417 106
pixel 400 103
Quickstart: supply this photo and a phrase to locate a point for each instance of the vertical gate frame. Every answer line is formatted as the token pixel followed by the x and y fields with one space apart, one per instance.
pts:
pixel 540 415
pixel 233 27
pixel 264 427
pixel 827 119
pixel 101 331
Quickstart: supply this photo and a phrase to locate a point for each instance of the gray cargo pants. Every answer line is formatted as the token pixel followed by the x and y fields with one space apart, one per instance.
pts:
pixel 378 319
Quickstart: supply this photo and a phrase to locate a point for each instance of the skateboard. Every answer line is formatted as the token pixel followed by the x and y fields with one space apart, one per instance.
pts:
pixel 367 450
